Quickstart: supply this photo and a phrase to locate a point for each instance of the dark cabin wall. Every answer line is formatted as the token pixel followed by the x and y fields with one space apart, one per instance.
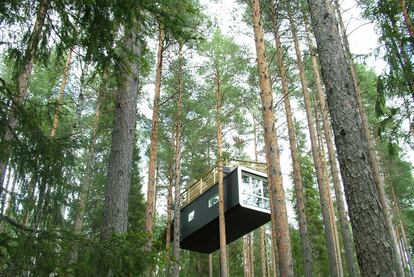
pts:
pixel 202 213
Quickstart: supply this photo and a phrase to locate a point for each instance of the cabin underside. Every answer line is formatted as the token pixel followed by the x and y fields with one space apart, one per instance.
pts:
pixel 239 221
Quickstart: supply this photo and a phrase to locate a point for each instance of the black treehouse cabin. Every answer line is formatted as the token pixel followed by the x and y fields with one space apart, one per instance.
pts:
pixel 246 200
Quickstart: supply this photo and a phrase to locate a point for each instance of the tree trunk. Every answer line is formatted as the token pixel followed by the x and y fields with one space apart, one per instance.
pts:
pixel 277 194
pixel 335 265
pixel 373 242
pixel 178 130
pixel 6 191
pixel 220 177
pixel 83 197
pixel 251 254
pixel 10 204
pixel 149 214
pixel 407 19
pixel 400 223
pixel 61 94
pixel 210 265
pixel 322 154
pixel 340 198
pixel 25 70
pixel 371 154
pixel 115 219
pixel 263 258
pixel 169 221
pixel 262 239
pixel 246 265
pixel 297 176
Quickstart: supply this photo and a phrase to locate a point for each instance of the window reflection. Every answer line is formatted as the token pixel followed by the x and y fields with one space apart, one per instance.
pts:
pixel 255 191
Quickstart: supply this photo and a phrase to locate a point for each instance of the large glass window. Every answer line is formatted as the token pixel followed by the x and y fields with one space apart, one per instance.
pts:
pixel 255 191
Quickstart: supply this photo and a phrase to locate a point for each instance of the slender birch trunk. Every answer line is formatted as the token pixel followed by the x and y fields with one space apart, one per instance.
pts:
pixel 297 176
pixel 149 214
pixel 373 243
pixel 277 193
pixel 178 152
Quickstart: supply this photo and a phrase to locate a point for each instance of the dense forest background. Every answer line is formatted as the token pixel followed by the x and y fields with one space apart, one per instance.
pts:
pixel 110 109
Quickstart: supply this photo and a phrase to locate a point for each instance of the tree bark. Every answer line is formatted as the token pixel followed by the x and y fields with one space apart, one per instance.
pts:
pixel 10 204
pixel 220 177
pixel 177 185
pixel 115 219
pixel 25 70
pixel 277 194
pixel 340 198
pixel 335 265
pixel 297 176
pixel 373 242
pixel 322 154
pixel 6 191
pixel 246 265
pixel 262 239
pixel 149 214
pixel 400 223
pixel 83 197
pixel 371 154
pixel 210 265
pixel 61 94
pixel 169 220
pixel 407 18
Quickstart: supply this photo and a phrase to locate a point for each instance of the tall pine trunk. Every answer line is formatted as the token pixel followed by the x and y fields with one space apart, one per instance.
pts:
pixel 297 176
pixel 61 94
pixel 115 219
pixel 371 153
pixel 407 18
pixel 25 70
pixel 220 177
pixel 177 184
pixel 262 238
pixel 339 194
pixel 86 179
pixel 277 193
pixel 373 242
pixel 149 214
pixel 169 219
pixel 322 154
pixel 335 265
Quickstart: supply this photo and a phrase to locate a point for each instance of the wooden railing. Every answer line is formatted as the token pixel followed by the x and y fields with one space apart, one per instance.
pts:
pixel 209 179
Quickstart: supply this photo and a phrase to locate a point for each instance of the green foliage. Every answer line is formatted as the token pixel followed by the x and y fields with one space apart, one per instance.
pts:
pixel 395 86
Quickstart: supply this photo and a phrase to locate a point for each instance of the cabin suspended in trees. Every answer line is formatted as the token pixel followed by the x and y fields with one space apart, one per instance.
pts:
pixel 246 203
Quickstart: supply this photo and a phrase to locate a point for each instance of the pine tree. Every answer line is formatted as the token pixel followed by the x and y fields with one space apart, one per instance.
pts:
pixel 373 243
pixel 277 195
